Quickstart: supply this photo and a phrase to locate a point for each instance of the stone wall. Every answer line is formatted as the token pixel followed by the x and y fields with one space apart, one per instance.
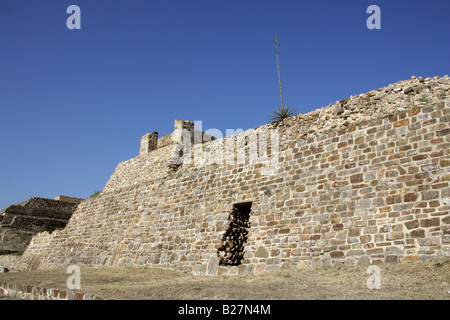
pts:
pixel 19 222
pixel 31 292
pixel 10 261
pixel 155 157
pixel 361 181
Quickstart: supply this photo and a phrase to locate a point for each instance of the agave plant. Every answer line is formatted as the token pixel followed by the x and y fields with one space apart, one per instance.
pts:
pixel 282 113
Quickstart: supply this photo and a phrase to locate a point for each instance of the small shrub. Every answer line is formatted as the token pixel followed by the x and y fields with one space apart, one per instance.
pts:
pixel 95 194
pixel 441 264
pixel 423 99
pixel 390 115
pixel 282 113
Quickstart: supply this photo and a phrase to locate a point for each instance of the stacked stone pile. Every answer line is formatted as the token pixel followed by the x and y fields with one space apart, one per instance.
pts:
pixel 231 250
pixel 376 104
pixel 19 222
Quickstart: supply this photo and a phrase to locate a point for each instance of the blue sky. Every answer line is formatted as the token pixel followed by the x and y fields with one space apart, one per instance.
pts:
pixel 74 103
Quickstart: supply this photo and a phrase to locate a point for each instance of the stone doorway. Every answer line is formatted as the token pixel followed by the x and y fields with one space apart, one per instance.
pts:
pixel 231 251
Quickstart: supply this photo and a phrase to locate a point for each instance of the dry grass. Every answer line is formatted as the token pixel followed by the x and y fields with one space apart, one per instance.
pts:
pixel 427 279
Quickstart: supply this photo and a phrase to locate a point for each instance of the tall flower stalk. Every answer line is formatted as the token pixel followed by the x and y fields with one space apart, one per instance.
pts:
pixel 282 112
pixel 277 44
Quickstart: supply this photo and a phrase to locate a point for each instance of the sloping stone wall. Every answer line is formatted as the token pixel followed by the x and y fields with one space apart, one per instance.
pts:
pixel 361 181
pixel 19 222
pixel 154 165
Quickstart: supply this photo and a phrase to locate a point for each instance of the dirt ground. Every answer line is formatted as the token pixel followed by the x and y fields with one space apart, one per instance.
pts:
pixel 424 280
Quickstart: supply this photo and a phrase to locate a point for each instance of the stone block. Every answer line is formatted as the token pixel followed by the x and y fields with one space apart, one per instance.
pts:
pixel 444 163
pixel 357 178
pixel 427 223
pixel 391 259
pixel 261 252
pixel 410 197
pixel 337 254
pixel 430 195
pixel 417 233
pixel 413 224
pixel 213 266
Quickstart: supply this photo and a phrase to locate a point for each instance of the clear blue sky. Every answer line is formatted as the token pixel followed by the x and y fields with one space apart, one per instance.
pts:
pixel 74 103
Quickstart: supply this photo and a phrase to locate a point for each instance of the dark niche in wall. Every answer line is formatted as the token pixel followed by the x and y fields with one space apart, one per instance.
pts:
pixel 231 251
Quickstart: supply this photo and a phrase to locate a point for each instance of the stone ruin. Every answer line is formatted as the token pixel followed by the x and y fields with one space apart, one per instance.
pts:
pixel 231 250
pixel 364 180
pixel 21 221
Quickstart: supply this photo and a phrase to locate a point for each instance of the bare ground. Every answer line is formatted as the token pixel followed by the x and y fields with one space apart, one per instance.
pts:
pixel 424 280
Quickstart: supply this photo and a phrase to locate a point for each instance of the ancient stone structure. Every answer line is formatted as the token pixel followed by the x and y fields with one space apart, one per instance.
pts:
pixel 20 222
pixel 31 292
pixel 361 181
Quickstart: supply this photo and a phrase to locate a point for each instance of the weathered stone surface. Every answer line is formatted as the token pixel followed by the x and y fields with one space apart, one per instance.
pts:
pixel 31 292
pixel 408 90
pixel 355 182
pixel 430 195
pixel 261 252
pixel 426 223
pixel 10 261
pixel 20 222
pixel 412 224
pixel 213 266
pixel 418 233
